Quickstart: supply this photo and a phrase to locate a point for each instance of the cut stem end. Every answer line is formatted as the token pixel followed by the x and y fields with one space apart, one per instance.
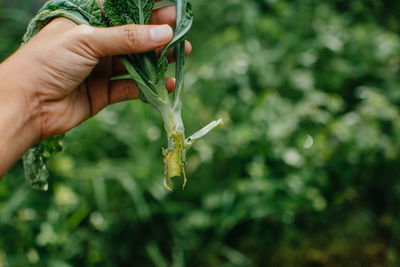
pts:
pixel 174 159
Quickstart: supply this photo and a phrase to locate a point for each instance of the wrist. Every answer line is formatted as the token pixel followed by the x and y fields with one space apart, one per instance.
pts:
pixel 20 125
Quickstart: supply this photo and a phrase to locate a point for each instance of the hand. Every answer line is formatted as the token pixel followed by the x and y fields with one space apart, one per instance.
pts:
pixel 61 77
pixel 71 67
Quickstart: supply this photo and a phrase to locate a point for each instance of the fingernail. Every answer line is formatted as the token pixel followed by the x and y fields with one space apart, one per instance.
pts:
pixel 160 33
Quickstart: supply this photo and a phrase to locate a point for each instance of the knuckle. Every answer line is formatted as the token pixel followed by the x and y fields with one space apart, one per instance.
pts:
pixel 83 35
pixel 130 35
pixel 83 32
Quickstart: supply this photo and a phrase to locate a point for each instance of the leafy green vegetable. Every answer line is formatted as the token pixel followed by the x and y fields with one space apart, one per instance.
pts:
pixel 146 69
pixel 79 11
pixel 35 159
pixel 149 74
pixel 121 12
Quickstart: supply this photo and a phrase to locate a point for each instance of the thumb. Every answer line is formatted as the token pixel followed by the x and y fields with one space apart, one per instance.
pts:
pixel 127 39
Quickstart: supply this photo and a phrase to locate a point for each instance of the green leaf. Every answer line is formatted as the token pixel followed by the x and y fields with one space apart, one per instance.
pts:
pixel 121 12
pixel 79 11
pixel 164 3
pixel 35 168
pixel 180 33
pixel 146 94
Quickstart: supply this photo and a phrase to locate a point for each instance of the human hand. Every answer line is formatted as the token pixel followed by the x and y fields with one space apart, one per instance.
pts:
pixel 69 67
pixel 61 77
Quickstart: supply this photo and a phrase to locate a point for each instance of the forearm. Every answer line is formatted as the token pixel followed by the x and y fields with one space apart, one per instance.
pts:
pixel 19 116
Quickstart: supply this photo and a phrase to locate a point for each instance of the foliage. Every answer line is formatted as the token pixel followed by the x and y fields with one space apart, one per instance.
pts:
pixel 148 72
pixel 35 162
pixel 304 172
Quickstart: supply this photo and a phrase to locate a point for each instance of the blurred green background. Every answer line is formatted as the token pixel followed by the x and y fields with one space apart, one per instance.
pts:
pixel 305 171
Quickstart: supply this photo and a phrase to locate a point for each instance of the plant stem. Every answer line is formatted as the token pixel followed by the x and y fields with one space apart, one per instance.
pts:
pixel 174 155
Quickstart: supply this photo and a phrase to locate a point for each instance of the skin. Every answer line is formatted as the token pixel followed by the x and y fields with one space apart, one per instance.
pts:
pixel 61 78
